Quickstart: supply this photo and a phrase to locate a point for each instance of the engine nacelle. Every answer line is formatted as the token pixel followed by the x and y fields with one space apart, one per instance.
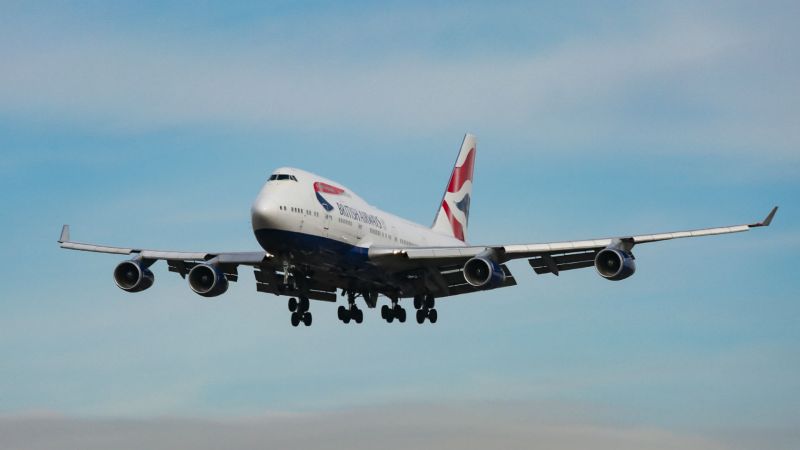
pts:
pixel 133 276
pixel 484 273
pixel 614 264
pixel 207 280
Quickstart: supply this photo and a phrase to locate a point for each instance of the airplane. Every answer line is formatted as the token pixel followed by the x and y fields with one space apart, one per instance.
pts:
pixel 319 238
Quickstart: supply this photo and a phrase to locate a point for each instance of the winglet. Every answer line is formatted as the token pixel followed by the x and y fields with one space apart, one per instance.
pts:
pixel 64 234
pixel 767 220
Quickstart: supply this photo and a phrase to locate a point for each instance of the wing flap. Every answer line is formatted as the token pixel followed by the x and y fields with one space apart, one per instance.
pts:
pixel 555 263
pixel 271 282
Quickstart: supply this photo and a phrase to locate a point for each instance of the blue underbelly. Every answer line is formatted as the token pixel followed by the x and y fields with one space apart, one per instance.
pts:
pixel 309 248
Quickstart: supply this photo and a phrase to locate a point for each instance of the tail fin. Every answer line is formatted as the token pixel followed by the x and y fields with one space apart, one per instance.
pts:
pixel 453 216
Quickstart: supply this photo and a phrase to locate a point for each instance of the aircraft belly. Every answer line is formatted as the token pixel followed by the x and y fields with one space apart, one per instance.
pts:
pixel 309 248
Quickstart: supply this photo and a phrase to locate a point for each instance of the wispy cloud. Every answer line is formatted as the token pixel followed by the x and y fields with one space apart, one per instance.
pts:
pixel 117 80
pixel 477 426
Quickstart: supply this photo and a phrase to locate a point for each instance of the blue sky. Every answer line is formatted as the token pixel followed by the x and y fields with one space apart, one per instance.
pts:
pixel 155 123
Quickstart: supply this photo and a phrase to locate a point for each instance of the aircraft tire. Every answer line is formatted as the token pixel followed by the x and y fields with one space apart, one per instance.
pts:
pixel 430 301
pixel 303 305
pixel 385 311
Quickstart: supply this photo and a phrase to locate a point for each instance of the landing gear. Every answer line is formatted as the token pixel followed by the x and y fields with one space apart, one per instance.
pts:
pixel 351 312
pixel 425 308
pixel 299 311
pixel 348 314
pixel 389 313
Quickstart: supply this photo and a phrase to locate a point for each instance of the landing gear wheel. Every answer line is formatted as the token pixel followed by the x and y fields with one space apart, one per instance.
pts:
pixel 307 319
pixel 401 314
pixel 430 301
pixel 418 301
pixel 420 316
pixel 295 319
pixel 385 311
pixel 358 315
pixel 432 315
pixel 292 304
pixel 346 318
pixel 303 305
pixel 390 317
pixel 341 312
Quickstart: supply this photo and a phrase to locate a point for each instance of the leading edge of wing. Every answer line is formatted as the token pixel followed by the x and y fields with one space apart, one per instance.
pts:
pixel 251 258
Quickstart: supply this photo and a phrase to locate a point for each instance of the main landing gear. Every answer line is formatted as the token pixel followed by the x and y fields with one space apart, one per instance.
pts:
pixel 425 308
pixel 351 312
pixel 394 312
pixel 299 311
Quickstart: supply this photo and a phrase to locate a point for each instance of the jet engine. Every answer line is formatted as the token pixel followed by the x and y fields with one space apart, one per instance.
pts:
pixel 207 280
pixel 483 273
pixel 133 276
pixel 614 264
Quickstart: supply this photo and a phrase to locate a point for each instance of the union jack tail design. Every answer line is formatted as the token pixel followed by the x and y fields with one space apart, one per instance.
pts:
pixel 453 216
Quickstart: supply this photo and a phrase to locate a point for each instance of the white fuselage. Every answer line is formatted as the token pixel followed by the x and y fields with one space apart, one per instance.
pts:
pixel 310 212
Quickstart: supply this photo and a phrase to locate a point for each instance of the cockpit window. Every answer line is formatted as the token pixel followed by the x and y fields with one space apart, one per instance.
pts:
pixel 282 176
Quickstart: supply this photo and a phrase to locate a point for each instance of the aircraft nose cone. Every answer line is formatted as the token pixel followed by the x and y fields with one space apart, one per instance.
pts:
pixel 264 214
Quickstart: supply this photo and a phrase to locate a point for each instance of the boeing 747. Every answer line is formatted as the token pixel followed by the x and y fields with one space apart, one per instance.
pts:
pixel 318 238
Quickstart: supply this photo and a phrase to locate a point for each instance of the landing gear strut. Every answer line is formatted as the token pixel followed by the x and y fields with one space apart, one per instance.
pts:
pixel 425 308
pixel 299 310
pixel 351 312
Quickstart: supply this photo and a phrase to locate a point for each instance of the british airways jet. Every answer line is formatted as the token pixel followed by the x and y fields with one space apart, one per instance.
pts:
pixel 320 238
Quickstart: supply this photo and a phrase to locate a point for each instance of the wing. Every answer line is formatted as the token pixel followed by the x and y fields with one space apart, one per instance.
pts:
pixel 552 257
pixel 179 262
pixel 271 275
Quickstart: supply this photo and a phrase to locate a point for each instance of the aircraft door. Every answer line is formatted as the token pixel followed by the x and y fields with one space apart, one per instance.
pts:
pixel 327 223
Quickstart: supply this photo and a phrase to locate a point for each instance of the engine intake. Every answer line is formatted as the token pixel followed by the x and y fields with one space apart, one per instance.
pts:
pixel 207 280
pixel 133 276
pixel 614 264
pixel 484 273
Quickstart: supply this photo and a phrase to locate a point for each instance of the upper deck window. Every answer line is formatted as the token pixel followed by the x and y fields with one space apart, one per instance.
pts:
pixel 282 176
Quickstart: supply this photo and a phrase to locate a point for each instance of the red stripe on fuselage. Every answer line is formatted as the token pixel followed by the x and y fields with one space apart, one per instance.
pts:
pixel 462 173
